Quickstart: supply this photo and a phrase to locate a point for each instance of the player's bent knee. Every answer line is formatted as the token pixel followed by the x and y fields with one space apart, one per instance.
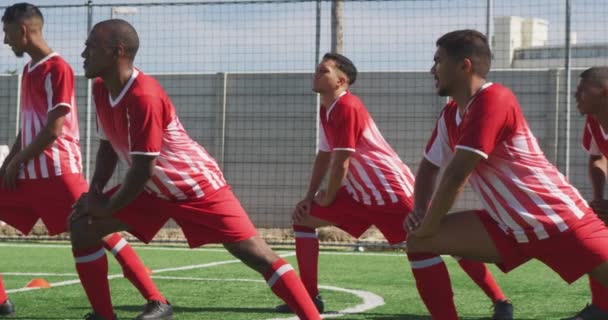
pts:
pixel 415 244
pixel 82 234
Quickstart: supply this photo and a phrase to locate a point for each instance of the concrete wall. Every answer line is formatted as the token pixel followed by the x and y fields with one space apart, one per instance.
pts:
pixel 261 127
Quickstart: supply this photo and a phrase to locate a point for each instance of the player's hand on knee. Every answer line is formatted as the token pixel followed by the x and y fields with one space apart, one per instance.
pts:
pixel 413 220
pixel 9 180
pixel 301 210
pixel 426 229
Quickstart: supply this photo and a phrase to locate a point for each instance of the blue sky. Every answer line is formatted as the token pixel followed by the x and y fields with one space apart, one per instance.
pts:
pixel 246 37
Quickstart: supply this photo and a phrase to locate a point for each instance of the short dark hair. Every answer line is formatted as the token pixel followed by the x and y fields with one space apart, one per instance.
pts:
pixel 469 44
pixel 343 64
pixel 20 12
pixel 597 75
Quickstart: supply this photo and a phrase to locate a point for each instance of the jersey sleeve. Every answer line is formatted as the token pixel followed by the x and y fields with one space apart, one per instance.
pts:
pixel 589 143
pixel 145 125
pixel 488 122
pixel 59 86
pixel 346 126
pixel 322 143
pixel 438 149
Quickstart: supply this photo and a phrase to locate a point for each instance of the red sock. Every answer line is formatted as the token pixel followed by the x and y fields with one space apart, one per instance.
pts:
pixel 434 286
pixel 307 252
pixel 599 295
pixel 133 268
pixel 480 273
pixel 92 267
pixel 284 282
pixel 3 295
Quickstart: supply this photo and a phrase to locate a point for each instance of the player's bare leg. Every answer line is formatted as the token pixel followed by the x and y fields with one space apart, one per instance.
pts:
pixel 461 234
pixel 279 275
pixel 92 266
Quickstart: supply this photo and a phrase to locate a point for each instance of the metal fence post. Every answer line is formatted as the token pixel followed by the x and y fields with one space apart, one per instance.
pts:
pixel 568 75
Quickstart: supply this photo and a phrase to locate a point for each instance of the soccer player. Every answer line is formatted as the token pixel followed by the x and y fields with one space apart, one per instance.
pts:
pixel 481 136
pixel 44 162
pixel 169 176
pixel 367 184
pixel 592 98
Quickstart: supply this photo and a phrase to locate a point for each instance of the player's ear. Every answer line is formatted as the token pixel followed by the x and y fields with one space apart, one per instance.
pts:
pixel 467 65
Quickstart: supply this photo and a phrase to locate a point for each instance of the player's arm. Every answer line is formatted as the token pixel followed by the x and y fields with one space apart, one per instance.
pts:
pixel 15 148
pixel 426 178
pixel 141 170
pixel 105 165
pixel 47 135
pixel 319 170
pixel 597 176
pixel 450 186
pixel 337 173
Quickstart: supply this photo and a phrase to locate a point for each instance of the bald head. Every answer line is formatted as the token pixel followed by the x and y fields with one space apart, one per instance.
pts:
pixel 117 32
pixel 597 76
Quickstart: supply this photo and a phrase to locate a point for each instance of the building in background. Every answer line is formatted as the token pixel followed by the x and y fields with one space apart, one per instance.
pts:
pixel 522 43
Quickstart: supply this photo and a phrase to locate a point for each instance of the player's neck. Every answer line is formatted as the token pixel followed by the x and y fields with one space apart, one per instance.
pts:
pixel 328 99
pixel 464 96
pixel 116 81
pixel 38 51
pixel 602 119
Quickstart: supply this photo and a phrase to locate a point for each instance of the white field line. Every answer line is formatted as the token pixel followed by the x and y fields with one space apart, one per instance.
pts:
pixel 153 248
pixel 119 275
pixel 370 300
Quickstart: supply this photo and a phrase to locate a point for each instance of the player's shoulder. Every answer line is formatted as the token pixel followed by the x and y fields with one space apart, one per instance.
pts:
pixel 57 63
pixel 497 93
pixel 349 103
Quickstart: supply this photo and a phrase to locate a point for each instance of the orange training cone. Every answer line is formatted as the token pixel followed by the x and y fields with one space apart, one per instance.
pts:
pixel 38 283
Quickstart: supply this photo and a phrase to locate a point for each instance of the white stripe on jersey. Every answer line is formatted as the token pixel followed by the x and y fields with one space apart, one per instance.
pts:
pixel 542 177
pixel 366 198
pixel 350 189
pixel 152 186
pixel 48 87
pixel 504 192
pixel 367 180
pixel 31 170
pixel 518 232
pixel 381 177
pixel 185 177
pixel 56 157
pixel 205 157
pixel 75 166
pixel 395 165
pixel 170 185
pixel 200 167
pixel 44 172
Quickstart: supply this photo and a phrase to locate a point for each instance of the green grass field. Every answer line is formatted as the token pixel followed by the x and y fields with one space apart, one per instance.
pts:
pixel 211 284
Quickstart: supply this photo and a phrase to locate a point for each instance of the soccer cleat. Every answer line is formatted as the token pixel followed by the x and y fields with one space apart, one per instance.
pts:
pixel 318 301
pixel 590 312
pixel 94 316
pixel 156 310
pixel 7 309
pixel 503 310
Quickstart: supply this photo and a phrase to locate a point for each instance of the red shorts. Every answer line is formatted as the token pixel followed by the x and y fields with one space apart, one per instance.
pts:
pixel 355 218
pixel 570 254
pixel 49 199
pixel 216 218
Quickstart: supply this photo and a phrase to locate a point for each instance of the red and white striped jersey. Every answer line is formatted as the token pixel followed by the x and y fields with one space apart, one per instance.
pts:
pixel 595 140
pixel 376 175
pixel 142 121
pixel 520 189
pixel 45 86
